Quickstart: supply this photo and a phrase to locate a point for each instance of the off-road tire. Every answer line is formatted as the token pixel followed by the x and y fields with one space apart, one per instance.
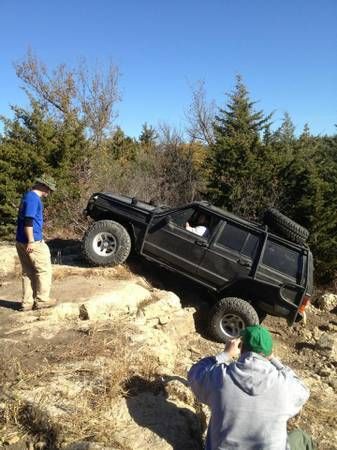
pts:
pixel 231 308
pixel 285 227
pixel 117 237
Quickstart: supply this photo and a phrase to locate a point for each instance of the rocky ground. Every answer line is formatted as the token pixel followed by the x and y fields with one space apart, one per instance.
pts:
pixel 106 368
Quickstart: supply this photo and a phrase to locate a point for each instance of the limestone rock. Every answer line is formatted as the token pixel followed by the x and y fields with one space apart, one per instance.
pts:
pixel 9 262
pixel 161 306
pixel 317 333
pixel 306 334
pixel 84 445
pixel 327 345
pixel 327 302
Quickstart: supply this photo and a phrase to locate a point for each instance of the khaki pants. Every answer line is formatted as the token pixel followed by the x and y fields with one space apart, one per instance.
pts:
pixel 36 273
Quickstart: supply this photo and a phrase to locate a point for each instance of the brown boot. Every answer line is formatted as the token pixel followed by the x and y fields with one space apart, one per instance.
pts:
pixel 24 307
pixel 43 305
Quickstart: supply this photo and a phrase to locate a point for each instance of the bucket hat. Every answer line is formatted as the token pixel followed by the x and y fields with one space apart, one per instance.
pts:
pixel 48 181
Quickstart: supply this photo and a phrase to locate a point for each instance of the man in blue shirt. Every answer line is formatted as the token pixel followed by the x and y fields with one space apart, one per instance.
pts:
pixel 33 252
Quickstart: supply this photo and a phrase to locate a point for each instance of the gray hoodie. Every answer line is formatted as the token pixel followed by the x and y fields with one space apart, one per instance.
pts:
pixel 250 400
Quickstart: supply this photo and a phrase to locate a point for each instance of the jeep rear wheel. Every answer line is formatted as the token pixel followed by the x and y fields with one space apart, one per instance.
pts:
pixel 229 316
pixel 106 243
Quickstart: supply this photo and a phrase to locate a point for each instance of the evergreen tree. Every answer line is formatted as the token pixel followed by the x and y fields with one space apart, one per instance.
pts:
pixel 32 144
pixel 323 239
pixel 122 147
pixel 236 162
pixel 285 134
pixel 148 135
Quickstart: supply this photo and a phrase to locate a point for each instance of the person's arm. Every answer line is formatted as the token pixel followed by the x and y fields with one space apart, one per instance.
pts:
pixel 189 228
pixel 202 375
pixel 28 230
pixel 200 230
pixel 199 377
pixel 30 210
pixel 298 393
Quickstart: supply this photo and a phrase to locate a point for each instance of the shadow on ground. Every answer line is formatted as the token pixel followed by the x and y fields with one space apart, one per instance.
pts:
pixel 66 251
pixel 149 407
pixel 10 304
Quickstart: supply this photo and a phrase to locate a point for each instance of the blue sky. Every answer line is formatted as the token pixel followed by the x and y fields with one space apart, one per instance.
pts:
pixel 286 51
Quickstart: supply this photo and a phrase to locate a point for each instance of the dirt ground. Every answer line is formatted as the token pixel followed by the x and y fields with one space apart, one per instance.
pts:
pixel 107 367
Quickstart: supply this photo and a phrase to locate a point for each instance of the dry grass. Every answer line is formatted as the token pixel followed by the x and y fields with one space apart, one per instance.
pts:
pixel 147 301
pixel 117 273
pixel 103 364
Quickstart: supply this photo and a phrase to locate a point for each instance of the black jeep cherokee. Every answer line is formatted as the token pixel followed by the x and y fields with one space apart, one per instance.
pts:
pixel 252 269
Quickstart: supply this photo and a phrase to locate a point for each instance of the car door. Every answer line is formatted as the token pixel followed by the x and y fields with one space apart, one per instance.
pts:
pixel 230 254
pixel 169 243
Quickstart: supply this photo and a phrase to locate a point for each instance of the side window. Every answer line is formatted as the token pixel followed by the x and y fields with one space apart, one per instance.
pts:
pixel 181 217
pixel 195 221
pixel 283 259
pixel 239 239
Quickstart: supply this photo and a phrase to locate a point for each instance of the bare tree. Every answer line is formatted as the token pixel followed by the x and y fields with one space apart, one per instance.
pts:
pixel 180 178
pixel 74 94
pixel 56 90
pixel 200 116
pixel 98 96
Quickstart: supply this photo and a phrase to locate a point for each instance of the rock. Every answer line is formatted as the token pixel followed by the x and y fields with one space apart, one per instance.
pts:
pixel 160 306
pixel 163 320
pixel 83 313
pixel 84 445
pixel 306 334
pixel 9 262
pixel 327 345
pixel 324 372
pixel 317 333
pixel 332 327
pixel 332 381
pixel 13 439
pixel 327 302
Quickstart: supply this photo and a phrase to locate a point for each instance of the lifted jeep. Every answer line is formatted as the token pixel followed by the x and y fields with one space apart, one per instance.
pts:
pixel 252 269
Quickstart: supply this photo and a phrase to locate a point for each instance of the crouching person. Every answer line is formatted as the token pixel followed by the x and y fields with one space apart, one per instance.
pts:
pixel 250 399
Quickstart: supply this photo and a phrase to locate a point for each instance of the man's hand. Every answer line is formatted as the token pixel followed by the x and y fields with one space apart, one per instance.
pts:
pixel 233 347
pixel 29 248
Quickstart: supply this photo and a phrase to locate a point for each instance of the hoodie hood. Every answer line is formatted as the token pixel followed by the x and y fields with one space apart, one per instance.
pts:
pixel 253 373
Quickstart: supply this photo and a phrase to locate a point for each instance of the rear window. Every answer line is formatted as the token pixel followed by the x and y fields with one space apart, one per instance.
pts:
pixel 238 239
pixel 283 259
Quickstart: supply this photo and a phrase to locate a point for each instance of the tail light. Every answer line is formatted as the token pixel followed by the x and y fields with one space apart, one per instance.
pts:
pixel 305 303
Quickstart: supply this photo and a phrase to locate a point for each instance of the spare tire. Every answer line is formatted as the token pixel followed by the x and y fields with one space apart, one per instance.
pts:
pixel 106 243
pixel 282 225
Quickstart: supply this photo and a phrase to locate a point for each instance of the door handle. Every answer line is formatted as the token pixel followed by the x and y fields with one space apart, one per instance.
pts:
pixel 243 263
pixel 201 243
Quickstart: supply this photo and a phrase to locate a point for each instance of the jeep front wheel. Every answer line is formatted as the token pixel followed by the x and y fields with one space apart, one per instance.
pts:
pixel 106 243
pixel 229 316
